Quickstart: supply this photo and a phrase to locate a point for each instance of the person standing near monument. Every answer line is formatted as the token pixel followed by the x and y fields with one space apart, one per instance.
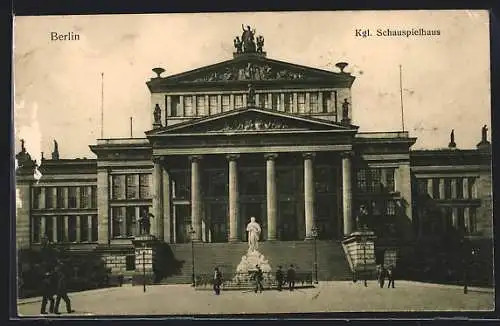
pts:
pixel 254 230
pixel 48 292
pixel 290 277
pixel 217 280
pixel 279 278
pixel 62 291
pixel 258 279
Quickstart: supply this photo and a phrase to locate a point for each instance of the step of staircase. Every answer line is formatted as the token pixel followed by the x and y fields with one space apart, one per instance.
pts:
pixel 331 260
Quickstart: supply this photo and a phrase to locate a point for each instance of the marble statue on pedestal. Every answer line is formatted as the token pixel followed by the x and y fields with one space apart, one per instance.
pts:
pixel 253 257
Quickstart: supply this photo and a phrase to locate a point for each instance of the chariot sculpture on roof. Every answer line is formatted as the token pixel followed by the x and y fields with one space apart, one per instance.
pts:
pixel 248 43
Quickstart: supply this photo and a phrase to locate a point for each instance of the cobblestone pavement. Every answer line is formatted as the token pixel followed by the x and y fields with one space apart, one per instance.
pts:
pixel 326 297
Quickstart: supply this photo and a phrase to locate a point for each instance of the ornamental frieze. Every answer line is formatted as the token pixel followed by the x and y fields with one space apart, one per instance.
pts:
pixel 252 125
pixel 250 71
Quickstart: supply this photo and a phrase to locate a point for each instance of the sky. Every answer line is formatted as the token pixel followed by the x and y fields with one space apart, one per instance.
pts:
pixel 57 84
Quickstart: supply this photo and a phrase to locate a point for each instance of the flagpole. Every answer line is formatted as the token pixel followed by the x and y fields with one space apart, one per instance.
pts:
pixel 401 96
pixel 102 105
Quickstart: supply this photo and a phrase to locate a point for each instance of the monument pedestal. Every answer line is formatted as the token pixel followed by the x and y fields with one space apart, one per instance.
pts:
pixel 145 252
pixel 360 248
pixel 248 265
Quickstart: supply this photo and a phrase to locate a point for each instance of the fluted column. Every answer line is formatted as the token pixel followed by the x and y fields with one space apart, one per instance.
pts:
pixel 308 193
pixel 234 208
pixel 271 198
pixel 196 208
pixel 347 192
pixel 156 230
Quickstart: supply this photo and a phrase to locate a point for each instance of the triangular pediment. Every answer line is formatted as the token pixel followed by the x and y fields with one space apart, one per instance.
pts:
pixel 250 120
pixel 253 68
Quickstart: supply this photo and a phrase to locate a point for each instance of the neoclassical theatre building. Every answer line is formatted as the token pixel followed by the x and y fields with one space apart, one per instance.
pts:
pixel 254 136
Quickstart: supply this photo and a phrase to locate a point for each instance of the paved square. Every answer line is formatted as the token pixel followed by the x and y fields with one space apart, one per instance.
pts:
pixel 326 297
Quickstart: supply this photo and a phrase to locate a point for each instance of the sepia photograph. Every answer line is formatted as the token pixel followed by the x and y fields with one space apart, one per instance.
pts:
pixel 242 163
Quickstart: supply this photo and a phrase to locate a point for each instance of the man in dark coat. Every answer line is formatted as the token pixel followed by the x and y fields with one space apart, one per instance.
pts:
pixel 290 277
pixel 279 278
pixel 390 276
pixel 48 291
pixel 258 279
pixel 381 272
pixel 62 291
pixel 217 280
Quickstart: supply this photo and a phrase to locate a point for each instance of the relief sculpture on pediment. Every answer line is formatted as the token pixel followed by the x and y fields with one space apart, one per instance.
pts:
pixel 253 125
pixel 250 71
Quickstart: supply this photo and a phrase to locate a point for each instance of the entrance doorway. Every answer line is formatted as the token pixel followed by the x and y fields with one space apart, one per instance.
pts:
pixel 288 221
pixel 218 222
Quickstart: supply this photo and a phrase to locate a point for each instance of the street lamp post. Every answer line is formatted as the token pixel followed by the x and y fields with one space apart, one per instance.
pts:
pixel 144 267
pixel 314 233
pixel 364 240
pixel 192 232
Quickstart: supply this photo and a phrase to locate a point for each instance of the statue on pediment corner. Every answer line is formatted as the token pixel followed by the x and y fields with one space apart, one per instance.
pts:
pixel 251 95
pixel 157 114
pixel 260 43
pixel 484 134
pixel 345 110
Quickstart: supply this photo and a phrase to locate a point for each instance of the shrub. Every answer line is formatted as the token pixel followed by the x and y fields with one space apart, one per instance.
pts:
pixel 84 271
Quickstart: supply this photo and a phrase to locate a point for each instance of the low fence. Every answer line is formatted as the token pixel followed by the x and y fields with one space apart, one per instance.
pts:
pixel 242 281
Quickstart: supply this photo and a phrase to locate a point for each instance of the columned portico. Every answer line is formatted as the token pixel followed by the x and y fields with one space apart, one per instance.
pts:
pixel 271 198
pixel 347 192
pixel 234 205
pixel 196 197
pixel 308 193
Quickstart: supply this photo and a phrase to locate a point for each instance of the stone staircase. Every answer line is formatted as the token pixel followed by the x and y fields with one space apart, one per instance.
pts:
pixel 332 263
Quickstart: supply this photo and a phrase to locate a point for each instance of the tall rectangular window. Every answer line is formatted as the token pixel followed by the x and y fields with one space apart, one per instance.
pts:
pixel 313 102
pixel 390 184
pixel 213 104
pixel 226 103
pixel 435 188
pixel 238 101
pixel 276 105
pixel 175 106
pixel 362 180
pixel 200 105
pixel 326 102
pixel 84 197
pixel 182 184
pixel 117 214
pixel 36 222
pixel 422 187
pixel 472 181
pixel 61 236
pixel 131 186
pixel 301 102
pixel 144 180
pixel 72 228
pixel 118 184
pixel 93 197
pixel 49 197
pixel 37 193
pixel 460 188
pixel 447 188
pixel 472 220
pixel 95 228
pixel 72 197
pixel 49 228
pixel 60 197
pixel 188 106
pixel 288 102
pixel 84 228
pixel 131 221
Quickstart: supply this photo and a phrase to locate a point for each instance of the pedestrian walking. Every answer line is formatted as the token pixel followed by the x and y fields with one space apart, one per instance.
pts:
pixel 217 280
pixel 279 278
pixel 390 276
pixel 258 279
pixel 381 273
pixel 48 292
pixel 62 291
pixel 290 277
